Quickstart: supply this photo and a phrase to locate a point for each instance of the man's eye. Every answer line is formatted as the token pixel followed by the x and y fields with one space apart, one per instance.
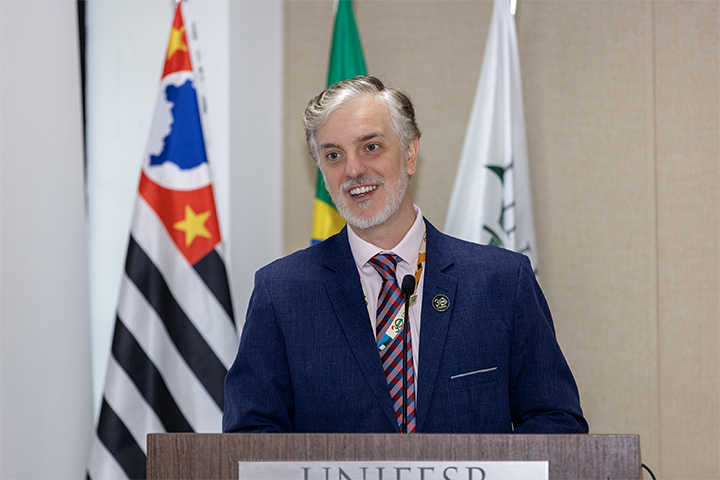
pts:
pixel 372 147
pixel 333 155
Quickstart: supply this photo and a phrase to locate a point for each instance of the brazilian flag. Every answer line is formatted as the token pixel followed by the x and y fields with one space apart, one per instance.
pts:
pixel 346 61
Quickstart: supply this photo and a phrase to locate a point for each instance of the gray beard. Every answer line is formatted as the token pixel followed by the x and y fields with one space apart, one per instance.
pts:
pixel 392 205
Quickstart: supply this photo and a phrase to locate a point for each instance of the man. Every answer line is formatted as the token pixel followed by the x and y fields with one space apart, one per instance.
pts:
pixel 319 352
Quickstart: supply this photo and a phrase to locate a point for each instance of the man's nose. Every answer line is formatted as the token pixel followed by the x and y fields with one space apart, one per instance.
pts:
pixel 355 166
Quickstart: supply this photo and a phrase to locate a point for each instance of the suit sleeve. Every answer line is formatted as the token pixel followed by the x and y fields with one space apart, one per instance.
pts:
pixel 543 395
pixel 258 390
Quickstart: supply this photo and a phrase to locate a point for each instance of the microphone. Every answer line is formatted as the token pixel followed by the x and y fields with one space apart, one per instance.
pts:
pixel 407 289
pixel 408 286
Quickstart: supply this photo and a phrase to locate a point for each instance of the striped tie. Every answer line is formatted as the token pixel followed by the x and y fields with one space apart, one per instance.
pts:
pixel 390 301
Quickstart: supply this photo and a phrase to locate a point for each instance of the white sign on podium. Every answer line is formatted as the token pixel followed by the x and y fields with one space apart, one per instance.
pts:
pixel 527 470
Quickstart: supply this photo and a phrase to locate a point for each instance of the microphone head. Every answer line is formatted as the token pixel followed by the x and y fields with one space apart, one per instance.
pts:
pixel 408 285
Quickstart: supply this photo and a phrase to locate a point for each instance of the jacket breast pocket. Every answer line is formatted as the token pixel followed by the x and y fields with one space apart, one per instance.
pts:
pixel 475 377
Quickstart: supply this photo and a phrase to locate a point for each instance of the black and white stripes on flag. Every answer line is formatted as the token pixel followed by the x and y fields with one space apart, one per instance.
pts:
pixel 175 334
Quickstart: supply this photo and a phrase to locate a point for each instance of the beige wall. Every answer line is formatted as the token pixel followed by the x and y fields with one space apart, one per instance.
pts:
pixel 623 121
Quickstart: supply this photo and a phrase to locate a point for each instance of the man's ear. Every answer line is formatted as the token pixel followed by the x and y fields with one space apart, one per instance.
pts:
pixel 411 153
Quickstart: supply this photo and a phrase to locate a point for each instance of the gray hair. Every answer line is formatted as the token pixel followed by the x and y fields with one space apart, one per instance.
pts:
pixel 397 102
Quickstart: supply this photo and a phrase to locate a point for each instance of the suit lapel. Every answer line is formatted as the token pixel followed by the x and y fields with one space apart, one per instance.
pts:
pixel 343 286
pixel 434 323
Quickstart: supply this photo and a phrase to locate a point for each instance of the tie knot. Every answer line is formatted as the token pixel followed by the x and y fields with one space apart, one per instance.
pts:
pixel 385 264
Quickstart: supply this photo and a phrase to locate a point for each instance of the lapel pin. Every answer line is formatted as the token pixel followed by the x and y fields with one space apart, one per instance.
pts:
pixel 440 303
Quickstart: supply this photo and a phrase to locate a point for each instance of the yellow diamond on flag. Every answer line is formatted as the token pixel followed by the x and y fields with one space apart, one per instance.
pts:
pixel 193 225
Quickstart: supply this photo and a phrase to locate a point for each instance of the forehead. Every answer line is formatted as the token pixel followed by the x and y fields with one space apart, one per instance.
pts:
pixel 355 119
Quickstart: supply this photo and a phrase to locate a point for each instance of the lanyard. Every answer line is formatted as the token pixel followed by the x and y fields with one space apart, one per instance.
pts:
pixel 399 320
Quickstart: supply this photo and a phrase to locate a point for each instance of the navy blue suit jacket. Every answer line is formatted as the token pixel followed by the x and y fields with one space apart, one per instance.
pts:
pixel 490 363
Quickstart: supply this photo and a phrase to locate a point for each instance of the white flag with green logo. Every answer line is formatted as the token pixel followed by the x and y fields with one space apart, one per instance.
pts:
pixel 491 201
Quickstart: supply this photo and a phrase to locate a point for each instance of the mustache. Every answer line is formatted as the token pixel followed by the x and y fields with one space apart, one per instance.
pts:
pixel 354 182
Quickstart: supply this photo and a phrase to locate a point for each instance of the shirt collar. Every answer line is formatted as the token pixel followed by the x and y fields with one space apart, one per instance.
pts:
pixel 407 249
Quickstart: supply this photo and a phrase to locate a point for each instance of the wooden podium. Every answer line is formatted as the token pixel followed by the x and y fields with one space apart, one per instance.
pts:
pixel 216 456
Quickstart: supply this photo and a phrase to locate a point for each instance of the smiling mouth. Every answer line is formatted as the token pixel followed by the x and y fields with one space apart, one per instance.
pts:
pixel 361 190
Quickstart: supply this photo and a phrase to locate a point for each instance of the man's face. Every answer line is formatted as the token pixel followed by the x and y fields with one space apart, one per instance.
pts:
pixel 363 163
